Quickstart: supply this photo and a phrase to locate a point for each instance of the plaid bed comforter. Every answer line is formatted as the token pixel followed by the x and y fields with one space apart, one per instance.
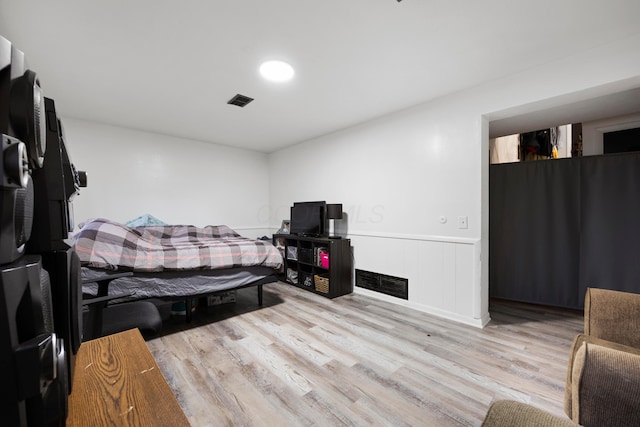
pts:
pixel 109 245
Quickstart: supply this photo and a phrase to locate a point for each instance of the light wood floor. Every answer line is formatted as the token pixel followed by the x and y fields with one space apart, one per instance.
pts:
pixel 304 360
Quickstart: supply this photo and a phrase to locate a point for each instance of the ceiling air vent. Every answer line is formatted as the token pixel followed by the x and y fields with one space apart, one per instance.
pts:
pixel 240 100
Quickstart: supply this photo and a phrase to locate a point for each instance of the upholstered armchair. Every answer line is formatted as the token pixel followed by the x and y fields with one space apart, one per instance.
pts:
pixel 613 316
pixel 603 376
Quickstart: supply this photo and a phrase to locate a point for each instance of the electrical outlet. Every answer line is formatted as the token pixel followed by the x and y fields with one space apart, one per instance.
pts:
pixel 463 222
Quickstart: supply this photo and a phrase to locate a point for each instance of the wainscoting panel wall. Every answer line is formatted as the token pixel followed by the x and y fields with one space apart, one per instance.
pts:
pixel 437 268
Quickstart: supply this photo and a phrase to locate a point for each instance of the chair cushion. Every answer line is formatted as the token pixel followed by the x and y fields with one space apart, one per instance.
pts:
pixel 509 413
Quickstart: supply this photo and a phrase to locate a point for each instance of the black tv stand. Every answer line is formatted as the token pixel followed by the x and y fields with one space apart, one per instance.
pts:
pixel 318 264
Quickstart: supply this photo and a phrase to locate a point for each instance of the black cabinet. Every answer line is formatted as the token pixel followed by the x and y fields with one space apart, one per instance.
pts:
pixel 318 264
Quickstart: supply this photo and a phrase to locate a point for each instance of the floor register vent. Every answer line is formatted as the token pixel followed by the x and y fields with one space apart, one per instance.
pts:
pixel 390 285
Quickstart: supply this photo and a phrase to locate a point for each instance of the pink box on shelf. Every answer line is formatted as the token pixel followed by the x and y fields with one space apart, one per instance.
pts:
pixel 324 260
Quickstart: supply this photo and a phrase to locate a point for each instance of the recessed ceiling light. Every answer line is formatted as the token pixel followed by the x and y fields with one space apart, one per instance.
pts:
pixel 276 71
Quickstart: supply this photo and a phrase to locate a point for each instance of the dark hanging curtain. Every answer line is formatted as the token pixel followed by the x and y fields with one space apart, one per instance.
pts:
pixel 610 230
pixel 557 227
pixel 534 231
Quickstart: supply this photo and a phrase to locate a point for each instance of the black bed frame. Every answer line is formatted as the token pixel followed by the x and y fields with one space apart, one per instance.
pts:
pixel 103 289
pixel 258 283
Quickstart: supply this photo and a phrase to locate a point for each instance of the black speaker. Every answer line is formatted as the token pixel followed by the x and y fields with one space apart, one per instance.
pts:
pixel 8 56
pixel 16 200
pixel 51 210
pixel 73 178
pixel 33 364
pixel 21 103
pixel 26 115
pixel 39 310
pixel 63 267
pixel 21 128
pixel 52 221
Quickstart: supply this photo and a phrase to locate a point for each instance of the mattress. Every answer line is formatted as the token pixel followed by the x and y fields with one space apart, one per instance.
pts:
pixel 110 245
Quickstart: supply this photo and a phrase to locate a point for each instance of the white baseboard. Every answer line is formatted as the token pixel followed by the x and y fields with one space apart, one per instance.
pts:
pixel 478 323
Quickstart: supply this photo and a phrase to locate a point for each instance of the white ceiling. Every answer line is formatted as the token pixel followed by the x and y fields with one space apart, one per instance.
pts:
pixel 170 66
pixel 614 104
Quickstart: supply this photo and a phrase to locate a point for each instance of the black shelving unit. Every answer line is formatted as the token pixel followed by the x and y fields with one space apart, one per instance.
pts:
pixel 317 264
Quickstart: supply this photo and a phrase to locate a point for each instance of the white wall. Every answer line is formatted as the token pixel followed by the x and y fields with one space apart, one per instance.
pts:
pixel 593 131
pixel 398 175
pixel 179 181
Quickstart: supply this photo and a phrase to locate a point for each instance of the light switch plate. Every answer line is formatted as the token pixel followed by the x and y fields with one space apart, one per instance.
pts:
pixel 463 222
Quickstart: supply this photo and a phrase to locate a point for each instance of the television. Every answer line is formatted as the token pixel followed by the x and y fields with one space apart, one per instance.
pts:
pixel 309 219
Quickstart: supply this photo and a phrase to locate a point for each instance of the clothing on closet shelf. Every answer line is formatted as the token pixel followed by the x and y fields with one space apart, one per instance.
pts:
pixel 540 144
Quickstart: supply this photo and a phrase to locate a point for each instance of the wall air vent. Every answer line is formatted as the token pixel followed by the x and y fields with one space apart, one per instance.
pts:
pixel 390 285
pixel 240 100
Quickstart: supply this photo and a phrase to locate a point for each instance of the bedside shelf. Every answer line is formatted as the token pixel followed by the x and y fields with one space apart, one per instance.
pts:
pixel 318 264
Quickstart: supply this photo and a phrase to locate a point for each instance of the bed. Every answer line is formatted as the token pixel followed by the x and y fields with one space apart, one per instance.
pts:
pixel 173 262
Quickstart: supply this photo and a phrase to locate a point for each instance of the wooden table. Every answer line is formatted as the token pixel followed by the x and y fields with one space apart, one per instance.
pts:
pixel 118 383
